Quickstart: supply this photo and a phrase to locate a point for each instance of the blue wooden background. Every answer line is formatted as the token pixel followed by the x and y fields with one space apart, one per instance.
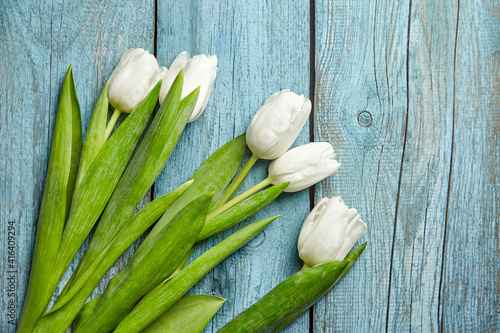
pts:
pixel 407 91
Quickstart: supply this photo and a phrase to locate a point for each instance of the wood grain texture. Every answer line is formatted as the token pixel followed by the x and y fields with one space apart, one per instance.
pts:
pixel 421 211
pixel 470 293
pixel 262 47
pixel 39 41
pixel 407 91
pixel 361 108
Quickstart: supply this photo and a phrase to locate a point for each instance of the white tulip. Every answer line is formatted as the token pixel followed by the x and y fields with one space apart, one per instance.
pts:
pixel 277 124
pixel 129 83
pixel 304 166
pixel 329 232
pixel 179 63
pixel 160 74
pixel 200 70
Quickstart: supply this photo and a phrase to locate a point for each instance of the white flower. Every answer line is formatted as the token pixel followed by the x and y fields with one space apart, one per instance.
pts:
pixel 304 166
pixel 329 232
pixel 129 83
pixel 277 124
pixel 200 70
pixel 159 74
pixel 179 63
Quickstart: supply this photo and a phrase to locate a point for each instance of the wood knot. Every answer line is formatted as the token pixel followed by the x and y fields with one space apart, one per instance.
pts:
pixel 365 118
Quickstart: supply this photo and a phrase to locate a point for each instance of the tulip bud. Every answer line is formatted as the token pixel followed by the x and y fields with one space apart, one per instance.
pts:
pixel 277 124
pixel 329 232
pixel 130 81
pixel 304 166
pixel 200 70
pixel 159 74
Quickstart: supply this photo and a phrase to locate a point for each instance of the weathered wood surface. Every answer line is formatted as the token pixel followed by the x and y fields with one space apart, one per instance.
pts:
pixel 407 91
pixel 425 173
pixel 255 60
pixel 38 42
pixel 470 292
pixel 361 103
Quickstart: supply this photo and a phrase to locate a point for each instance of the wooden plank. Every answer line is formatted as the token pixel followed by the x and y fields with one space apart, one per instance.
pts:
pixel 262 47
pixel 361 66
pixel 25 99
pixel 39 41
pixel 421 212
pixel 361 108
pixel 470 293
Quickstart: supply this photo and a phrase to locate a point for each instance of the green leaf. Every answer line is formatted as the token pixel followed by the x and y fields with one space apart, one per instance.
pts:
pixel 56 195
pixel 287 322
pixel 291 297
pixel 352 257
pixel 147 163
pixel 94 138
pixel 83 315
pixel 154 304
pixel 189 314
pixel 212 176
pixel 149 266
pixel 134 228
pixel 228 156
pixel 93 193
pixel 76 143
pixel 241 211
pixel 68 306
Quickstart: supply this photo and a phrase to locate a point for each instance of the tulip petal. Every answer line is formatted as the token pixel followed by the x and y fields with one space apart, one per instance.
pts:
pixel 329 232
pixel 304 166
pixel 327 235
pixel 179 63
pixel 311 220
pixel 129 82
pixel 199 71
pixel 353 216
pixel 160 74
pixel 283 114
pixel 357 231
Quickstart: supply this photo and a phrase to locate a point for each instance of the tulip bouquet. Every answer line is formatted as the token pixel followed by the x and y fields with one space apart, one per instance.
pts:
pixel 100 182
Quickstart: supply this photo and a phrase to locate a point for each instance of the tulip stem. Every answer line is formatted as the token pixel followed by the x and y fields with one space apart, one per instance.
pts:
pixel 111 123
pixel 240 178
pixel 239 198
pixel 306 266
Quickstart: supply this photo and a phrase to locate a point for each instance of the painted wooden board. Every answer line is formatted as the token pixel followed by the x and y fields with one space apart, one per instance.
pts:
pixel 361 108
pixel 407 91
pixel 39 41
pixel 421 211
pixel 429 255
pixel 262 47
pixel 470 293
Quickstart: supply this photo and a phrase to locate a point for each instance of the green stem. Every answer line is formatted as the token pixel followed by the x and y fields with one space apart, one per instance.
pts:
pixel 111 123
pixel 306 266
pixel 240 178
pixel 239 198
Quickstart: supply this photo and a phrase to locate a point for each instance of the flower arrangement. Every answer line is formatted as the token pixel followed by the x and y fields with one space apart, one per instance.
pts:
pixel 100 182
